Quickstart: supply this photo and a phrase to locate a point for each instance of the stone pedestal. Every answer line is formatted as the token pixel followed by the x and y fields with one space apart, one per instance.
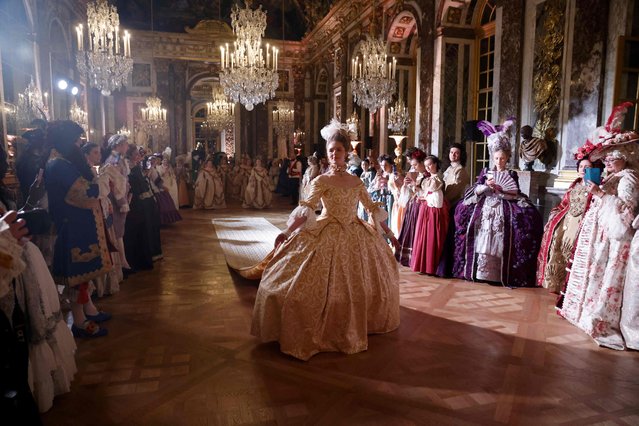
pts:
pixel 533 184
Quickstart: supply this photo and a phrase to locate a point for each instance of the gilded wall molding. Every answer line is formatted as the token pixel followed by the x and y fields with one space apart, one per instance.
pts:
pixel 547 65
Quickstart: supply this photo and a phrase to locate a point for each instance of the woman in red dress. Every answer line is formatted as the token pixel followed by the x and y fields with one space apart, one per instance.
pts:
pixel 432 221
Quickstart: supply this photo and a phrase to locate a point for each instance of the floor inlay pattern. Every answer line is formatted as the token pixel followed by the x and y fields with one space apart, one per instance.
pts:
pixel 179 352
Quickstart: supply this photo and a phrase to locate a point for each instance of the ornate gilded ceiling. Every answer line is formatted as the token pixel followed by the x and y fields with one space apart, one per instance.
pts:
pixel 286 19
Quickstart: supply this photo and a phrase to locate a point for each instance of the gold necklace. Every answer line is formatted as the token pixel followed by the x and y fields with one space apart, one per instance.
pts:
pixel 338 169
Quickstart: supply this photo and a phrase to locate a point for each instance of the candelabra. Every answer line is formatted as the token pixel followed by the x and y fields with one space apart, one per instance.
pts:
pixel 283 118
pixel 79 115
pixel 105 64
pixel 298 137
pixel 249 73
pixel 220 112
pixel 372 75
pixel 31 105
pixel 153 120
pixel 353 125
pixel 398 118
pixel 124 131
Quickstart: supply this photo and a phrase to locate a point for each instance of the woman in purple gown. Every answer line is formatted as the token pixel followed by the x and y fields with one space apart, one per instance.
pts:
pixel 498 230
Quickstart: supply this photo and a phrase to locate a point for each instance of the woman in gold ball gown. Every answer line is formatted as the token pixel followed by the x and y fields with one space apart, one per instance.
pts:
pixel 318 292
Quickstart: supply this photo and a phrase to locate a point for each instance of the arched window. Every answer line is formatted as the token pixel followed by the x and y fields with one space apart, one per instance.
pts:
pixel 484 78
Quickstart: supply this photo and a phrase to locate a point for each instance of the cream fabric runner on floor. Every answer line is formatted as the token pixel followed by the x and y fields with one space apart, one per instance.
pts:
pixel 246 241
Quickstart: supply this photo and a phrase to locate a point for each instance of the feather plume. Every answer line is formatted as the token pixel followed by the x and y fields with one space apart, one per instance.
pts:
pixel 617 116
pixel 503 127
pixel 333 127
pixel 486 127
pixel 167 152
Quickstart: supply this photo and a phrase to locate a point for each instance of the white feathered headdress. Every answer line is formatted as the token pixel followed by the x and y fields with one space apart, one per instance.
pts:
pixel 350 131
pixel 167 153
pixel 497 136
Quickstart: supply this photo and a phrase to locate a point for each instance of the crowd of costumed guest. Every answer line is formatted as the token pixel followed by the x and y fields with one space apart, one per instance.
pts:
pixel 92 214
pixel 491 232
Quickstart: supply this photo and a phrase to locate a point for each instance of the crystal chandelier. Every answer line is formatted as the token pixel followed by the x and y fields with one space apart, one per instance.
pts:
pixel 79 115
pixel 372 76
pixel 283 118
pixel 153 120
pixel 31 105
pixel 107 62
pixel 249 74
pixel 398 118
pixel 220 112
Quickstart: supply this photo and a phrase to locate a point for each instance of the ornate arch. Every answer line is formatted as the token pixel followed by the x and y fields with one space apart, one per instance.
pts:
pixel 196 78
pixel 458 13
pixel 64 37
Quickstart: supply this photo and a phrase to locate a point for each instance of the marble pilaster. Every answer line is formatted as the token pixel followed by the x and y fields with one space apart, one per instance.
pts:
pixel 163 91
pixel 298 90
pixel 177 105
pixel 426 69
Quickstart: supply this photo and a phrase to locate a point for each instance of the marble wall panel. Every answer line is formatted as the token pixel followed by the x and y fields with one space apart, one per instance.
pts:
pixel 586 76
pixel 617 23
pixel 511 58
pixel 450 113
pixel 427 66
pixel 176 106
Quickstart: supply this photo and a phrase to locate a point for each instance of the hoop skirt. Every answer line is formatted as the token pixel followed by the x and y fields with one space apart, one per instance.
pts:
pixel 319 294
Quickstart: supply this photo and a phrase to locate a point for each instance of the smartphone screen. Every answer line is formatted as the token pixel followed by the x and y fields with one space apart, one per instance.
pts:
pixel 593 175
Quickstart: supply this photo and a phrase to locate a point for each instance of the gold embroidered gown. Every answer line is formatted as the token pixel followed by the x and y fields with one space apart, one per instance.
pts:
pixel 333 282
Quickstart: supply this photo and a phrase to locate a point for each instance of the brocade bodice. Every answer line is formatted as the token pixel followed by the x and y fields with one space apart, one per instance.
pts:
pixel 339 203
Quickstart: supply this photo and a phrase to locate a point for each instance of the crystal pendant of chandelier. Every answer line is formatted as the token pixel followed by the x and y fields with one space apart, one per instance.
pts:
pixel 31 105
pixel 153 120
pixel 398 117
pixel 249 73
pixel 107 62
pixel 283 118
pixel 372 76
pixel 220 112
pixel 79 115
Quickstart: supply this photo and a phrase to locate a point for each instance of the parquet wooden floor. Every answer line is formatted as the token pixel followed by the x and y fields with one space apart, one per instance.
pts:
pixel 179 352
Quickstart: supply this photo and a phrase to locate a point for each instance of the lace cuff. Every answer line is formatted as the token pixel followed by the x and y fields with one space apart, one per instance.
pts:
pixel 617 216
pixel 473 199
pixel 376 217
pixel 302 211
pixel 480 189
